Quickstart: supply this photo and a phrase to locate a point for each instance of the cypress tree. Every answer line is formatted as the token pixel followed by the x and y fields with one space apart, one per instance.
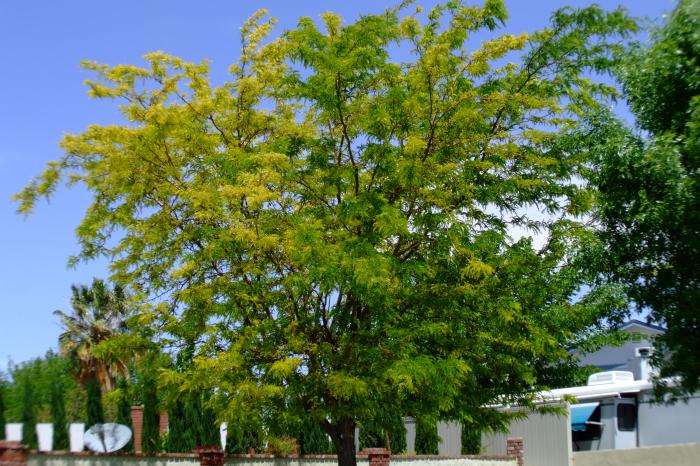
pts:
pixel 397 434
pixel 241 438
pixel 183 420
pixel 95 412
pixel 374 435
pixel 124 411
pixel 471 439
pixel 208 428
pixel 371 435
pixel 58 416
pixel 150 436
pixel 313 440
pixel 29 437
pixel 427 438
pixel 2 411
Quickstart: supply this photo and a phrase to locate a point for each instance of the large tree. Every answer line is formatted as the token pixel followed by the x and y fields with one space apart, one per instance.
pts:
pixel 650 189
pixel 333 225
pixel 99 315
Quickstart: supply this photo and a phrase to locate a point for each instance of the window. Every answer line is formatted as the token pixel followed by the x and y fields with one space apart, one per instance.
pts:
pixel 626 417
pixel 583 434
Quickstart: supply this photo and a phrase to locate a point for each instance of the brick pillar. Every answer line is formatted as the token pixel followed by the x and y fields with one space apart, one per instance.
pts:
pixel 210 456
pixel 137 423
pixel 13 453
pixel 163 423
pixel 377 456
pixel 515 447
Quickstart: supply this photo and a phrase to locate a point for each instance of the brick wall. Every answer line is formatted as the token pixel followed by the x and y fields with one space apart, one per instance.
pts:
pixel 515 447
pixel 377 456
pixel 163 423
pixel 210 456
pixel 137 423
pixel 13 453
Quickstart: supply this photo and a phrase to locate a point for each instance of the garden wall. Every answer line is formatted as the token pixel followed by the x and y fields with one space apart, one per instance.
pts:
pixel 73 459
pixel 547 439
pixel 15 454
pixel 89 459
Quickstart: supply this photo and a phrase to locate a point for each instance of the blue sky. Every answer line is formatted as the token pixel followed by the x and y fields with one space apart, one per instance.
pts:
pixel 42 97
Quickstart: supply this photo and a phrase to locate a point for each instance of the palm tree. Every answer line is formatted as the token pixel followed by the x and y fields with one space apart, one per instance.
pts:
pixel 98 315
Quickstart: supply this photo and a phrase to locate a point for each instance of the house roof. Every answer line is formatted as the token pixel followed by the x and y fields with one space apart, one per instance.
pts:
pixel 637 326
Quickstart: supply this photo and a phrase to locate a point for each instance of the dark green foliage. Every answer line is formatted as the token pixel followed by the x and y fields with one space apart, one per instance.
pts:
pixel 192 421
pixel 43 374
pixel 427 439
pixel 650 190
pixel 29 437
pixel 240 439
pixel 124 410
pixel 95 411
pixel 313 440
pixel 471 439
pixel 295 425
pixel 397 433
pixel 2 409
pixel 188 427
pixel 150 435
pixel 191 424
pixel 375 434
pixel 180 430
pixel 246 432
pixel 58 417
pixel 371 435
pixel 208 426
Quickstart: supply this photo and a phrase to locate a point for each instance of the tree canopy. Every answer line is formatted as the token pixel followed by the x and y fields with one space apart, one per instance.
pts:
pixel 332 226
pixel 650 189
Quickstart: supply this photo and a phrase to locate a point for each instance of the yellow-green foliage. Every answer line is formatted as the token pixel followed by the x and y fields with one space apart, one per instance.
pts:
pixel 331 224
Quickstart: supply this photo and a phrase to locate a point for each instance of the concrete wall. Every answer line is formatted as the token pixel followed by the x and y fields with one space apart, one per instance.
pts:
pixel 102 460
pixel 546 436
pixel 450 433
pixel 451 461
pixel 450 438
pixel 329 461
pixel 668 424
pixel 676 455
pixel 192 460
pixel 410 425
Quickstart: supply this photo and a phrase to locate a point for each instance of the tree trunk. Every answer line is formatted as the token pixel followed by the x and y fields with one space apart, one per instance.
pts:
pixel 343 436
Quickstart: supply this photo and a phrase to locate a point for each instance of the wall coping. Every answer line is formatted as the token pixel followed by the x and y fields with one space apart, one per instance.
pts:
pixel 115 454
pixel 261 455
pixel 454 457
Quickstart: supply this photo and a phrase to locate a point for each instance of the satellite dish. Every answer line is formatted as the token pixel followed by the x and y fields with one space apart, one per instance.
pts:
pixel 106 438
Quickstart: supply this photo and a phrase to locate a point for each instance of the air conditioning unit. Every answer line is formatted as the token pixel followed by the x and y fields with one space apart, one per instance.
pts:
pixel 610 377
pixel 642 352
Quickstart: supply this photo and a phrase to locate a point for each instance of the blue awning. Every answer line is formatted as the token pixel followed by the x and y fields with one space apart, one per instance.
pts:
pixel 580 414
